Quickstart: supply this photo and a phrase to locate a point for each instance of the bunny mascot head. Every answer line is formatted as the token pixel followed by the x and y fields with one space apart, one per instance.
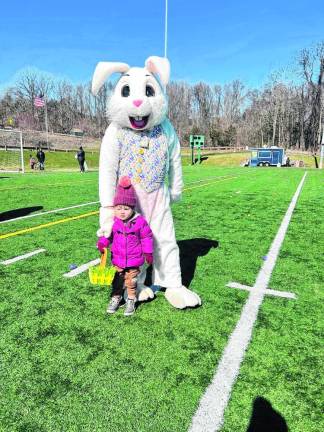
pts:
pixel 138 101
pixel 141 143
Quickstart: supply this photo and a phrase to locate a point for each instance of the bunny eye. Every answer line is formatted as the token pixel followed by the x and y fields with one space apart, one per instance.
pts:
pixel 125 91
pixel 149 91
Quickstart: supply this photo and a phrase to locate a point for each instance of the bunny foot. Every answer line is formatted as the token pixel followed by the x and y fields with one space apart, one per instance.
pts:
pixel 181 298
pixel 144 293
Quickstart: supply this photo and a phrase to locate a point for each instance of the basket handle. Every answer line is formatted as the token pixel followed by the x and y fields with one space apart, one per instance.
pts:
pixel 103 259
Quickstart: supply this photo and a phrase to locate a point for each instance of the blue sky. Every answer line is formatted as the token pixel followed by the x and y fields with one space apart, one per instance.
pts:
pixel 212 41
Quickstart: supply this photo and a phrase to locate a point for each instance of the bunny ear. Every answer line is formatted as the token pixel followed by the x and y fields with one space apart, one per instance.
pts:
pixel 103 71
pixel 160 66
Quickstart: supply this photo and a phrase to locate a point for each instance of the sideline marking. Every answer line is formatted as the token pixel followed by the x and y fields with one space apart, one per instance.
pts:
pixel 82 268
pixel 210 413
pixel 85 266
pixel 50 211
pixel 22 257
pixel 216 181
pixel 45 185
pixel 97 202
pixel 27 230
pixel 212 178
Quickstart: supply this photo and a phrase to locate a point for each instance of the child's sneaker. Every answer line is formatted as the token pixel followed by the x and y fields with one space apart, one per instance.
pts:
pixel 130 307
pixel 114 304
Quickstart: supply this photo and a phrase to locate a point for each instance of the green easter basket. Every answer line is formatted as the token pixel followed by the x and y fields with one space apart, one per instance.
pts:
pixel 102 274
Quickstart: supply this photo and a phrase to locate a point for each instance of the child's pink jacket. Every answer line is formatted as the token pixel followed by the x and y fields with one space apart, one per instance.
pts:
pixel 130 241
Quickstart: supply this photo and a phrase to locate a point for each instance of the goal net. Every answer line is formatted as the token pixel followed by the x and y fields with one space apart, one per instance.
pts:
pixel 11 151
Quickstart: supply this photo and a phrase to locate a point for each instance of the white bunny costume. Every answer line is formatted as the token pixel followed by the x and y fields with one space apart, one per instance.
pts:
pixel 141 143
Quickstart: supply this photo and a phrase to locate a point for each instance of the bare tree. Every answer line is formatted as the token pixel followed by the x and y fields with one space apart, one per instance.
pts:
pixel 203 105
pixel 288 114
pixel 310 60
pixel 180 113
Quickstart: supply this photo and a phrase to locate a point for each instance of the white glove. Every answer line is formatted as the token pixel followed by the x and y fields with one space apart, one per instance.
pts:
pixel 106 220
pixel 175 197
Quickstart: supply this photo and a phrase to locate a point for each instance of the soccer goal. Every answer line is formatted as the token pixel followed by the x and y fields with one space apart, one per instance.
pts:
pixel 11 151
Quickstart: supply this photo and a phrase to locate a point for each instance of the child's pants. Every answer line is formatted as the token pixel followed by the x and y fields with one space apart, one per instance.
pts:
pixel 125 278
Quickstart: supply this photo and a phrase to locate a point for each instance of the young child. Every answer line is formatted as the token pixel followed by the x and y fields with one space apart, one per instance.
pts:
pixel 32 162
pixel 131 243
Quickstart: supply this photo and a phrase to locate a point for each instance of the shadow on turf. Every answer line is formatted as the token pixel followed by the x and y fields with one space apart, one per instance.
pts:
pixel 189 250
pixel 202 159
pixel 265 419
pixel 12 214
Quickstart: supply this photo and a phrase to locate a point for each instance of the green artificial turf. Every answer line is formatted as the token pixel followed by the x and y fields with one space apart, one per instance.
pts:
pixel 67 366
pixel 284 362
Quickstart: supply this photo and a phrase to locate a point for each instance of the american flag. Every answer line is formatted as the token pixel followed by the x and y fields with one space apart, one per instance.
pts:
pixel 39 101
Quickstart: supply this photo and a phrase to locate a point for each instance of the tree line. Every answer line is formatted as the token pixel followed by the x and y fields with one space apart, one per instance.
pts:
pixel 288 113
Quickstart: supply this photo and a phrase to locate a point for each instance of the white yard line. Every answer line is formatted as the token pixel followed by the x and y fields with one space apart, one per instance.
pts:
pixel 210 413
pixel 22 257
pixel 50 211
pixel 87 204
pixel 209 178
pixel 220 177
pixel 82 268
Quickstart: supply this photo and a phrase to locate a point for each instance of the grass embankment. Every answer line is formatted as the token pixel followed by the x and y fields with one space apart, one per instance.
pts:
pixel 210 158
pixel 308 160
pixel 65 161
pixel 218 159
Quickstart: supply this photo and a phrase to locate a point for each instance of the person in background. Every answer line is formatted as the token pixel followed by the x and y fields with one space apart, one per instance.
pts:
pixel 81 158
pixel 32 162
pixel 41 158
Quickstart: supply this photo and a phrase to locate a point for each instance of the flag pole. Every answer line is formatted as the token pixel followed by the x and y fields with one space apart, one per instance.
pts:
pixel 322 150
pixel 166 28
pixel 46 122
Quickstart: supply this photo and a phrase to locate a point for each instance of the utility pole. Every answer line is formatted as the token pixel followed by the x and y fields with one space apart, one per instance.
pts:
pixel 322 149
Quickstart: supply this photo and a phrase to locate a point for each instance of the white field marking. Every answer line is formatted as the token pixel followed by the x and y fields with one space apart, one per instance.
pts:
pixel 50 211
pixel 272 292
pixel 210 413
pixel 82 268
pixel 220 177
pixel 212 182
pixel 90 203
pixel 45 185
pixel 209 178
pixel 22 257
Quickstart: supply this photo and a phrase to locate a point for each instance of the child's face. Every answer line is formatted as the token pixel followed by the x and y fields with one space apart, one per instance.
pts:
pixel 123 212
